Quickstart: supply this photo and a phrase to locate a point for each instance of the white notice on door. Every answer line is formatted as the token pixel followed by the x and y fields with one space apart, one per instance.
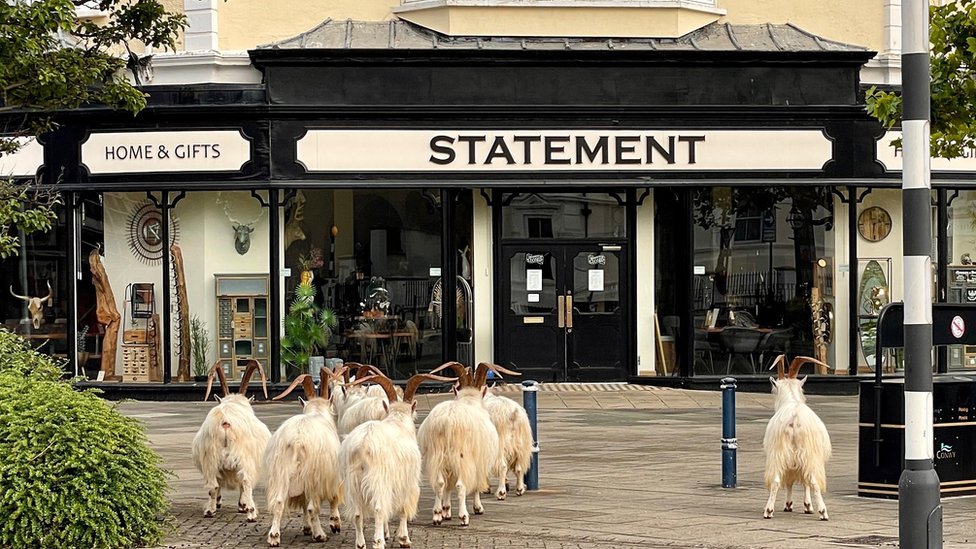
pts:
pixel 533 280
pixel 596 280
pixel 533 298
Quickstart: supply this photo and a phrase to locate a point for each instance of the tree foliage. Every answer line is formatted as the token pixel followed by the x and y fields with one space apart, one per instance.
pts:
pixel 952 33
pixel 24 208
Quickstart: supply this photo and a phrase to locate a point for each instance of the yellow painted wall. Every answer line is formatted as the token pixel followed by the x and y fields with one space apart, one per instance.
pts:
pixel 860 22
pixel 244 24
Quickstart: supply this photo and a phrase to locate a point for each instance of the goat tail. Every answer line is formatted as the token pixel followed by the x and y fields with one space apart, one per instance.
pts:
pixel 521 440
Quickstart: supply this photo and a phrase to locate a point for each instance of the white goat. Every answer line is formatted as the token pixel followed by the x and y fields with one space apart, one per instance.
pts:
pixel 227 448
pixel 796 444
pixel 302 463
pixel 380 463
pixel 346 394
pixel 460 448
pixel 366 405
pixel 514 441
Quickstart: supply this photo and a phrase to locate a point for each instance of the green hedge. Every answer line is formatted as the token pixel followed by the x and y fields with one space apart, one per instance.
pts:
pixel 74 472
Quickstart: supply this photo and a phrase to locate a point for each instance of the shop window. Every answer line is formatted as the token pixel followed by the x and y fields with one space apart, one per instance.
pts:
pixel 563 215
pixel 962 267
pixel 762 285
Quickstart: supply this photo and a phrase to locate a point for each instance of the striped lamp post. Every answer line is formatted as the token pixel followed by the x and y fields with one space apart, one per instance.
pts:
pixel 919 508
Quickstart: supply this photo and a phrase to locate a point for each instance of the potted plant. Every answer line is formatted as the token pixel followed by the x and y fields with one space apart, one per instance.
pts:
pixel 308 329
pixel 200 343
pixel 312 260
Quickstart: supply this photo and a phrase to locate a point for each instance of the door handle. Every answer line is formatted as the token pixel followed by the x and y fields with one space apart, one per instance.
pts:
pixel 561 314
pixel 569 312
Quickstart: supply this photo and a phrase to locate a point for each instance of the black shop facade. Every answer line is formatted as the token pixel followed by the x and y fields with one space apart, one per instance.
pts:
pixel 663 211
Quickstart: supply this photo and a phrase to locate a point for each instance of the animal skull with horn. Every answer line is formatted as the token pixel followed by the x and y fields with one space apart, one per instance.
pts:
pixel 242 231
pixel 293 229
pixel 36 304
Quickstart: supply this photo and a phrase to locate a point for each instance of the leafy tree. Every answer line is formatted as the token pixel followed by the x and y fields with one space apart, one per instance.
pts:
pixel 952 33
pixel 50 61
pixel 308 329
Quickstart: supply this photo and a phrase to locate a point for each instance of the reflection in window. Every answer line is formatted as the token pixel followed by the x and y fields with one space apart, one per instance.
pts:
pixel 766 253
pixel 596 282
pixel 564 215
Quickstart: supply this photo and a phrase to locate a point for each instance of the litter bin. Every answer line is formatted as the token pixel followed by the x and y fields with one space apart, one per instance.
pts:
pixel 881 415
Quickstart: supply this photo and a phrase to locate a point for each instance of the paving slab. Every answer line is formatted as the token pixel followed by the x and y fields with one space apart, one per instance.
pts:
pixel 618 468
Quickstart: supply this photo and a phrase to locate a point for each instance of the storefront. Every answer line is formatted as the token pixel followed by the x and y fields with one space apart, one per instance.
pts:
pixel 577 209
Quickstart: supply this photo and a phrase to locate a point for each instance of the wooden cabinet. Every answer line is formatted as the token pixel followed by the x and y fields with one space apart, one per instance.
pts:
pixel 242 321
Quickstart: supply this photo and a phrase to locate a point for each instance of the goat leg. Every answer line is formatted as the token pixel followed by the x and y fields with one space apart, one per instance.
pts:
pixel 773 488
pixel 821 506
pixel 519 481
pixel 438 508
pixel 360 536
pixel 807 501
pixel 379 528
pixel 462 492
pixel 247 498
pixel 402 536
pixel 218 497
pixel 213 490
pixel 275 508
pixel 789 499
pixel 312 510
pixel 335 521
pixel 502 481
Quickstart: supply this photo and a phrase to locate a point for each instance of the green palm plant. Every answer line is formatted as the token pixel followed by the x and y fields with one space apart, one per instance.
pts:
pixel 308 329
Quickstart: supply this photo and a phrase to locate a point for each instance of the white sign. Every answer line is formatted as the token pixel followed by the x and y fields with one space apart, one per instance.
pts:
pixel 153 152
pixel 285 272
pixel 25 162
pixel 533 280
pixel 435 271
pixel 958 327
pixel 533 298
pixel 892 157
pixel 596 280
pixel 699 269
pixel 562 150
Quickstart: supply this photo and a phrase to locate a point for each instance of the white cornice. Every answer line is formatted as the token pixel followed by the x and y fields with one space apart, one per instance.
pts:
pixel 203 67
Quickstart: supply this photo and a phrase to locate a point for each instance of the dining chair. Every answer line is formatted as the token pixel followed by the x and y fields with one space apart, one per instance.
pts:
pixel 738 342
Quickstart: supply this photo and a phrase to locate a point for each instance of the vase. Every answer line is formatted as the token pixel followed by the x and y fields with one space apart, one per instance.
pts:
pixel 307 276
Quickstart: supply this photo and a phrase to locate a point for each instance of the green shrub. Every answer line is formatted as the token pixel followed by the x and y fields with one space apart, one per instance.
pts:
pixel 74 472
pixel 17 356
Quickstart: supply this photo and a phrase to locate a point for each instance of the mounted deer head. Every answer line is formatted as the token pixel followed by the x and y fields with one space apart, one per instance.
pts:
pixel 242 231
pixel 293 229
pixel 36 304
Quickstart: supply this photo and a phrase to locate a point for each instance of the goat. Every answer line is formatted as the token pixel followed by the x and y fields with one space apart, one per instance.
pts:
pixel 227 448
pixel 796 443
pixel 368 406
pixel 460 448
pixel 514 441
pixel 301 461
pixel 380 463
pixel 350 394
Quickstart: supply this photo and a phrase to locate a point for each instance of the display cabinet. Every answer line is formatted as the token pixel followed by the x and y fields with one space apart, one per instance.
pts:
pixel 242 321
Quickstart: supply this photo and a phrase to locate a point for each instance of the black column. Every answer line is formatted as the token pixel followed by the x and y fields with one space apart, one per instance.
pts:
pixel 448 276
pixel 71 241
pixel 274 301
pixel 942 269
pixel 854 342
pixel 684 290
pixel 167 299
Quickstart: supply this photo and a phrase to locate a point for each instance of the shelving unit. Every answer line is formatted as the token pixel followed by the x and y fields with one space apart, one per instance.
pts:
pixel 242 321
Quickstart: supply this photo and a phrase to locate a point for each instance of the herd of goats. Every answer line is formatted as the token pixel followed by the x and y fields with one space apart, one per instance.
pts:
pixel 357 443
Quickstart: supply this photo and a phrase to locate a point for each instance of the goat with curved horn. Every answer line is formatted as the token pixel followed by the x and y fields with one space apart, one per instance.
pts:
pixel 308 385
pixel 227 448
pixel 253 366
pixel 798 363
pixel 514 440
pixel 302 463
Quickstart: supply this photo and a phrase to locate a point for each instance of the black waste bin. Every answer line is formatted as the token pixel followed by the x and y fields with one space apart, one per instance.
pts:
pixel 880 464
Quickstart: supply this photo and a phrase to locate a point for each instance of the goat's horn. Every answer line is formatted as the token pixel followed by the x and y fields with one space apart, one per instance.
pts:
pixel 384 382
pixel 350 367
pixel 778 364
pixel 414 382
pixel 219 371
pixel 50 294
pixel 482 378
pixel 327 376
pixel 368 370
pixel 307 384
pixel 464 377
pixel 254 365
pixel 24 297
pixel 798 363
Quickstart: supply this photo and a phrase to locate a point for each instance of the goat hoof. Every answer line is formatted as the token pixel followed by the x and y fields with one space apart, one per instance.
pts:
pixel 320 538
pixel 306 530
pixel 520 491
pixel 404 541
pixel 465 520
pixel 808 508
pixel 789 507
pixel 241 507
pixel 823 515
pixel 479 510
pixel 208 514
pixel 438 519
pixel 274 540
pixel 335 529
pixel 252 519
pixel 500 496
pixel 768 514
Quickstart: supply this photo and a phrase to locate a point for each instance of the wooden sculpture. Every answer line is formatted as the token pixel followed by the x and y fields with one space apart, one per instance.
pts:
pixel 154 339
pixel 106 312
pixel 183 315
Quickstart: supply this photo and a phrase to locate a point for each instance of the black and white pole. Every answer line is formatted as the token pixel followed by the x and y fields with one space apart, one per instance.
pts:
pixel 919 508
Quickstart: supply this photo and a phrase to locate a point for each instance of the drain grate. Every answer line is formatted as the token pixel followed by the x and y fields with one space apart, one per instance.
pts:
pixel 874 541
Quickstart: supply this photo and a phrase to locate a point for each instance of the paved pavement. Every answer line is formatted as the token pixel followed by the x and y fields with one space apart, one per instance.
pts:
pixel 622 467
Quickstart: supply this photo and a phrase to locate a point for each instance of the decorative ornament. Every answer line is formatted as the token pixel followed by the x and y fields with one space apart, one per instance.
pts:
pixel 874 224
pixel 966 259
pixel 242 231
pixel 145 235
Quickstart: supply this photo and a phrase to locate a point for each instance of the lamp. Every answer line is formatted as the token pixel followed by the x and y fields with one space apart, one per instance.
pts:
pixel 795 218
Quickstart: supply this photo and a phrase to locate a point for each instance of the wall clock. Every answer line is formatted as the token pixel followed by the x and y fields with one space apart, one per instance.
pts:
pixel 145 234
pixel 874 224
